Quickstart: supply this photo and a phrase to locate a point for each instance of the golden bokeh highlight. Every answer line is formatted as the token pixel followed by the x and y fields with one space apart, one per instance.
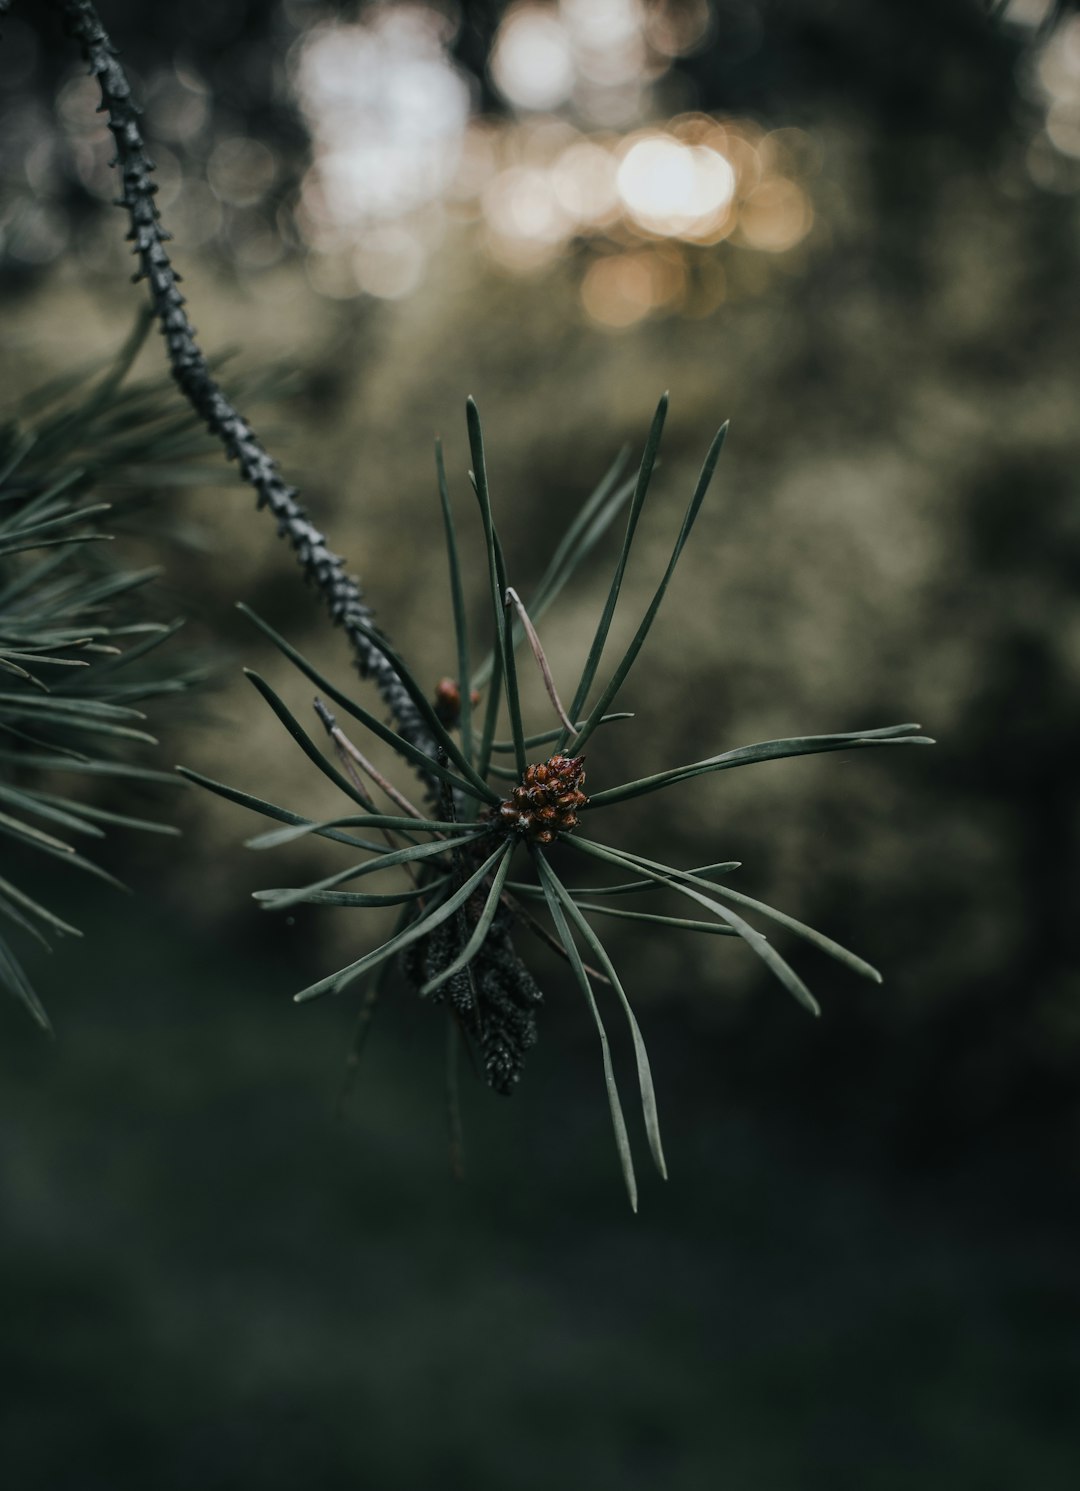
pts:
pixel 621 289
pixel 396 149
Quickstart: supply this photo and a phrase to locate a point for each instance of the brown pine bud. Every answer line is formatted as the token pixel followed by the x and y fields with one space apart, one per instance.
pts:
pixel 447 702
pixel 544 803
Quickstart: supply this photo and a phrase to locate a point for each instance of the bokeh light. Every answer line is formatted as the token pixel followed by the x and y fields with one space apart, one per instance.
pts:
pixel 403 167
pixel 386 110
pixel 241 171
pixel 670 187
pixel 389 263
pixel 532 63
pixel 583 179
pixel 180 101
pixel 1059 74
pixel 1052 75
pixel 775 217
pixel 398 152
pixel 678 28
pixel 388 114
pixel 619 290
pixel 597 152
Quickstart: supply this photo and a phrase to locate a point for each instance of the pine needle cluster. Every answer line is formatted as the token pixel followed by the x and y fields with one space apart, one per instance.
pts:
pixel 456 898
pixel 79 639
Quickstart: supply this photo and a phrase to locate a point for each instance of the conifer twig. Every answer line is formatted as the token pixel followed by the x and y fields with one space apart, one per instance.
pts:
pixel 320 565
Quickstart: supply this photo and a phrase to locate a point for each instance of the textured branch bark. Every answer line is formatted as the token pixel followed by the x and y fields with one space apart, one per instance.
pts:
pixel 320 565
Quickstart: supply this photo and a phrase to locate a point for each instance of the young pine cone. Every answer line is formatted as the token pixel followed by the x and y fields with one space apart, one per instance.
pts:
pixel 547 800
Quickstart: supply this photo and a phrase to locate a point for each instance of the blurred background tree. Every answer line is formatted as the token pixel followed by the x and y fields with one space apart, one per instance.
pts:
pixel 852 229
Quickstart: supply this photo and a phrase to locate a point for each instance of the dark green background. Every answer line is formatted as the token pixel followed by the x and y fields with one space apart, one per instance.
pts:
pixel 210 1281
pixel 863 1272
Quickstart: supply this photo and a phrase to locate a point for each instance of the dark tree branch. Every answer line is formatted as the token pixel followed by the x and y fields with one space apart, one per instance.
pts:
pixel 502 993
pixel 321 567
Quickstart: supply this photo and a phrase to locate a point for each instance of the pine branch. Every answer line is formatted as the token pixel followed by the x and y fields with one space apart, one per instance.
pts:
pixel 320 565
pixel 77 645
pixel 505 978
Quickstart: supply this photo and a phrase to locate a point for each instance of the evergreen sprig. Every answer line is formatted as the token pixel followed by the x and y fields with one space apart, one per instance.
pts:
pixel 459 896
pixel 191 371
pixel 77 645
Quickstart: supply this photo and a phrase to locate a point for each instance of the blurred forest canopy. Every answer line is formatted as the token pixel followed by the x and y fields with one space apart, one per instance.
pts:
pixel 895 533
pixel 246 101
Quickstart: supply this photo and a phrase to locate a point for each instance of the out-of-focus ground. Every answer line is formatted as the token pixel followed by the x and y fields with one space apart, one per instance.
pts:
pixel 862 1270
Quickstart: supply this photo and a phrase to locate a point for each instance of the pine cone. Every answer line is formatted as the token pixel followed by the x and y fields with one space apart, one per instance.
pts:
pixel 547 800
